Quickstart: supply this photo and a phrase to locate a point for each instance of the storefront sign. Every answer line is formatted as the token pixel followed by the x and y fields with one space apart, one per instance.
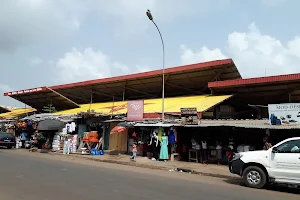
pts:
pixel 189 116
pixel 135 110
pixel 284 114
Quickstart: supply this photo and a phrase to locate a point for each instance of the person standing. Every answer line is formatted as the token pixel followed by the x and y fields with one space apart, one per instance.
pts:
pixel 23 138
pixel 204 152
pixel 219 152
pixel 134 150
pixel 267 145
pixel 164 155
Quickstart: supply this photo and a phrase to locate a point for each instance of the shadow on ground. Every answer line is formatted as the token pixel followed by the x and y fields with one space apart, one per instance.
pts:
pixel 275 188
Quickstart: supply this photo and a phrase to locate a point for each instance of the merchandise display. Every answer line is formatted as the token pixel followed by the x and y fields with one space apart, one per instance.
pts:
pixel 66 149
pixel 56 142
pixel 73 145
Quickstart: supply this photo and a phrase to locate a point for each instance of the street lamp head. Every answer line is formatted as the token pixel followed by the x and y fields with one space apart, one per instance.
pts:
pixel 148 13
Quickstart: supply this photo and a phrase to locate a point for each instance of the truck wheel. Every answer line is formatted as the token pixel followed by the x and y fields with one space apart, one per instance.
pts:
pixel 254 177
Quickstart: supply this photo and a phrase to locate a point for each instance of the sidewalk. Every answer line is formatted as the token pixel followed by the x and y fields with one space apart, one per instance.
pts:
pixel 212 170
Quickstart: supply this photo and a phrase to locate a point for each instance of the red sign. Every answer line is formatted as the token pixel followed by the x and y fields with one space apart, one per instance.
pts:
pixel 24 91
pixel 135 110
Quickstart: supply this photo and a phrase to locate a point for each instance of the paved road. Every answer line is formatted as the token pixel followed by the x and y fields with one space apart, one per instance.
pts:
pixel 36 177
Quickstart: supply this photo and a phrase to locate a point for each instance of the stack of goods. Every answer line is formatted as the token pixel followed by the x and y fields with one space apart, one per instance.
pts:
pixel 56 142
pixel 66 149
pixel 18 143
pixel 93 136
pixel 85 136
pixel 22 125
pixel 74 144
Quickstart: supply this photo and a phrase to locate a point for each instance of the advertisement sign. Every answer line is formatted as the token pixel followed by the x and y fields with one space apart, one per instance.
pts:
pixel 24 91
pixel 189 116
pixel 135 110
pixel 284 114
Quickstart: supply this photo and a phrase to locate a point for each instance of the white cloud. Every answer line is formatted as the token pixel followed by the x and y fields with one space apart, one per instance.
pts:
pixel 188 56
pixel 254 53
pixel 89 64
pixel 23 22
pixel 131 14
pixel 80 66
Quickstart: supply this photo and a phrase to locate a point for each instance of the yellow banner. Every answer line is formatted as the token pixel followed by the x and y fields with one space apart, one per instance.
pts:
pixel 17 112
pixel 172 105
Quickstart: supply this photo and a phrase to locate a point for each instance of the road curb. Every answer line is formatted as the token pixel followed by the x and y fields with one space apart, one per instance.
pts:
pixel 216 175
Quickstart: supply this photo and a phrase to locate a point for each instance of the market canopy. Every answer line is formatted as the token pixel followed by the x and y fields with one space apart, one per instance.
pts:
pixel 50 124
pixel 179 81
pixel 4 109
pixel 17 112
pixel 262 90
pixel 172 105
pixel 43 96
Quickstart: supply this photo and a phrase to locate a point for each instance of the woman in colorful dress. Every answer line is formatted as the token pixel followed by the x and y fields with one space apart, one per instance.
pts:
pixel 164 155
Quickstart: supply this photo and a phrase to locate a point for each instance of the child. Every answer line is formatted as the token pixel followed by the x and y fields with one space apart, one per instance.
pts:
pixel 134 150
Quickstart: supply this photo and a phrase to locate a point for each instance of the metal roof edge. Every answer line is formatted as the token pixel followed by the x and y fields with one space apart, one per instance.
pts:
pixel 256 80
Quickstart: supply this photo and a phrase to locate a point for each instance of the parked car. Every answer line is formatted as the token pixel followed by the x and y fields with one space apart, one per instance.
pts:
pixel 7 140
pixel 279 164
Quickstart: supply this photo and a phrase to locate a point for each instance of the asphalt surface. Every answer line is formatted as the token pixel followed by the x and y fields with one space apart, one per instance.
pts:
pixel 37 177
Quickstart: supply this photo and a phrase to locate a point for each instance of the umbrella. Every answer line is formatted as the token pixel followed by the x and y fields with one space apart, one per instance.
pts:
pixel 117 129
pixel 49 125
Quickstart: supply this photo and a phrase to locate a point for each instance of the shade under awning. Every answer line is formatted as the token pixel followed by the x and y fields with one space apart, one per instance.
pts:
pixel 154 125
pixel 49 125
pixel 172 105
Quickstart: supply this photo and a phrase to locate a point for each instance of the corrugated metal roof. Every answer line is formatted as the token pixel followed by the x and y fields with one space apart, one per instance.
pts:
pixel 260 124
pixel 250 81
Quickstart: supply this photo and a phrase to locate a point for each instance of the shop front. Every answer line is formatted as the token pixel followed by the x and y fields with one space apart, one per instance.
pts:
pixel 212 141
pixel 156 141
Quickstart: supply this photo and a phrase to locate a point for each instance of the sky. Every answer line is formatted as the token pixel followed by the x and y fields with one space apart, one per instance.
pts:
pixel 50 42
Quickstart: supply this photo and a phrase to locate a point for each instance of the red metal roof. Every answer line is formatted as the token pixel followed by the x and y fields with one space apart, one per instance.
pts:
pixel 147 74
pixel 179 81
pixel 253 81
pixel 40 97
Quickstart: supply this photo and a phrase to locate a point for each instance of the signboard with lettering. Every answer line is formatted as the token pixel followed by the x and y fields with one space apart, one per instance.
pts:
pixel 24 91
pixel 189 116
pixel 135 110
pixel 284 114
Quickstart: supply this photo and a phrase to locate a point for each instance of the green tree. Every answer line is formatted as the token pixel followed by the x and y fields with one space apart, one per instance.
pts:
pixel 49 108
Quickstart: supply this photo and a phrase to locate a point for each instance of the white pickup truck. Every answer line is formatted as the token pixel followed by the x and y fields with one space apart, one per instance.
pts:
pixel 279 164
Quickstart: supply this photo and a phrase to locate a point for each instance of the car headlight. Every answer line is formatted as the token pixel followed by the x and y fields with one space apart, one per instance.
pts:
pixel 236 156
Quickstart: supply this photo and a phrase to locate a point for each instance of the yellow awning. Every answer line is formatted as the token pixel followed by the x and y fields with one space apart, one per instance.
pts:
pixel 17 112
pixel 172 105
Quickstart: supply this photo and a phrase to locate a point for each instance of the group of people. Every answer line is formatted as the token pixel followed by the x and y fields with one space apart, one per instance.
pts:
pixel 161 144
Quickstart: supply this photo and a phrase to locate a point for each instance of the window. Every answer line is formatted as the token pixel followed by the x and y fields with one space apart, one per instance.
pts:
pixel 292 146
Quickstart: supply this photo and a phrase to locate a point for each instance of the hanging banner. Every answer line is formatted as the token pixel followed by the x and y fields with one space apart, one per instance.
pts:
pixel 284 114
pixel 135 110
pixel 189 116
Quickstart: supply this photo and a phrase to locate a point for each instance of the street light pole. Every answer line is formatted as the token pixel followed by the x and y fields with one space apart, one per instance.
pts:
pixel 148 13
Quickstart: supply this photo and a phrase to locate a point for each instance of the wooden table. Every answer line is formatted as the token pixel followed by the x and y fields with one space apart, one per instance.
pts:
pixel 194 155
